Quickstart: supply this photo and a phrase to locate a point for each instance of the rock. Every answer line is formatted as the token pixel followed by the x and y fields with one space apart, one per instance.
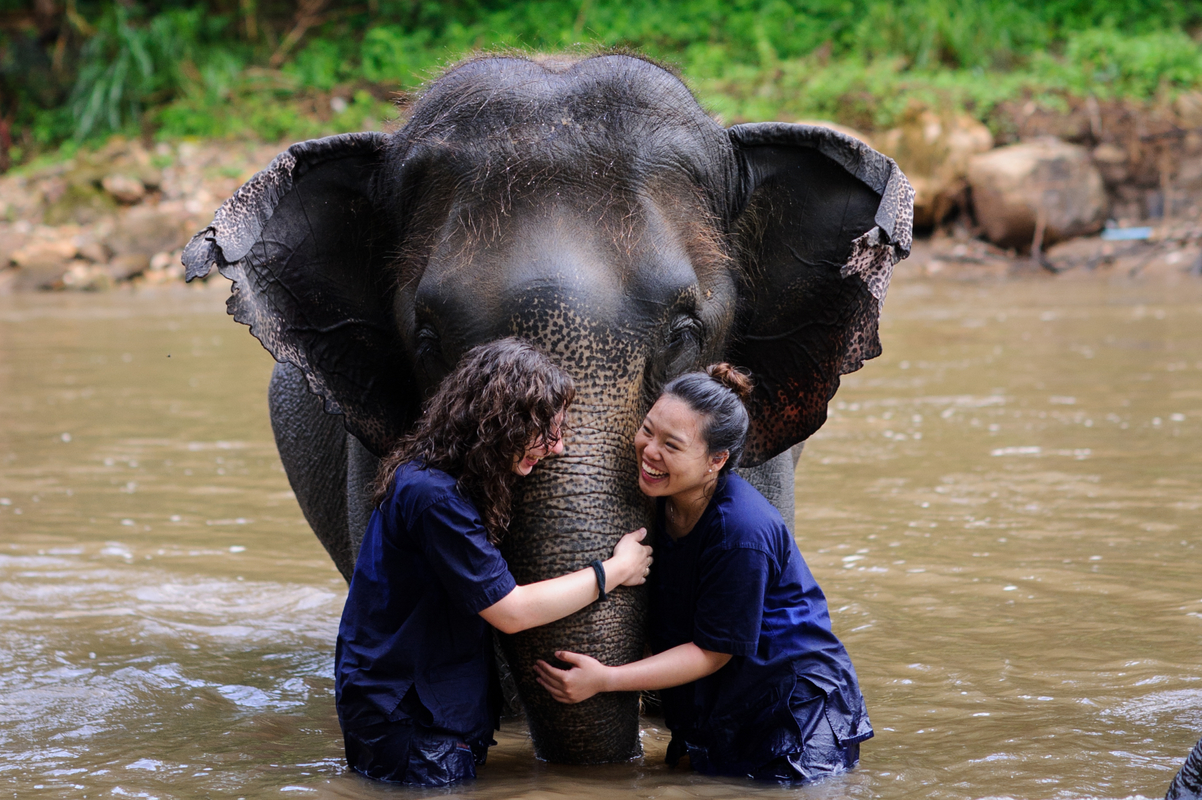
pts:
pixel 42 254
pixel 1084 252
pixel 42 263
pixel 834 126
pixel 1188 106
pixel 129 265
pixel 146 230
pixel 11 240
pixel 75 195
pixel 1111 161
pixel 86 277
pixel 1189 173
pixel 164 268
pixel 161 261
pixel 123 188
pixel 1042 183
pixel 934 150
pixel 92 250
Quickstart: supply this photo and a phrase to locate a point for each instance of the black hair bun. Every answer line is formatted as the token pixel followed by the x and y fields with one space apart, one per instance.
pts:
pixel 732 378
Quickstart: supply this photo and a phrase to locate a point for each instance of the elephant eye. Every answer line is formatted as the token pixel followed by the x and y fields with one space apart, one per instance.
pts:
pixel 684 328
pixel 427 341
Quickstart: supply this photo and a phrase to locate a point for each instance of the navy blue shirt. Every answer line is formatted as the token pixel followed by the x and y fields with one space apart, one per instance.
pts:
pixel 737 584
pixel 425 571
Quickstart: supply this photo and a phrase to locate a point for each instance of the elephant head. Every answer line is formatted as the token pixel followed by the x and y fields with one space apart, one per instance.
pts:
pixel 594 208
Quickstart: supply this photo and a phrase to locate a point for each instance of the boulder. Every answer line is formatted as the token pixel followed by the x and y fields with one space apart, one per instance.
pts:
pixel 146 230
pixel 83 276
pixel 164 268
pixel 934 150
pixel 1112 162
pixel 91 250
pixel 163 260
pixel 123 188
pixel 1189 173
pixel 127 266
pixel 1045 184
pixel 11 240
pixel 42 263
pixel 1188 106
pixel 41 254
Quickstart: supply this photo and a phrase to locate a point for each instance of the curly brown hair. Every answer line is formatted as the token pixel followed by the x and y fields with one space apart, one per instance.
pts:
pixel 503 397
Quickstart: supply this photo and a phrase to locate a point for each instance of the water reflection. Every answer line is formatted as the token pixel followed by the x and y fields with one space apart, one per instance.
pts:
pixel 1002 511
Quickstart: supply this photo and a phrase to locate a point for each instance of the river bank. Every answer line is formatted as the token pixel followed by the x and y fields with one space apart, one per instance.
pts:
pixel 121 214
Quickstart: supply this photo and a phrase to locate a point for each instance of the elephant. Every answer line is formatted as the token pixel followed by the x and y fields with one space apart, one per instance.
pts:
pixel 590 205
pixel 1187 785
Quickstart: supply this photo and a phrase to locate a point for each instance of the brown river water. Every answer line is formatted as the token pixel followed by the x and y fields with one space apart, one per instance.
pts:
pixel 1003 511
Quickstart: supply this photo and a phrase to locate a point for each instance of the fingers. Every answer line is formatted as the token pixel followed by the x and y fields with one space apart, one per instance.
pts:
pixel 639 535
pixel 554 681
pixel 575 659
pixel 641 569
pixel 555 692
pixel 543 668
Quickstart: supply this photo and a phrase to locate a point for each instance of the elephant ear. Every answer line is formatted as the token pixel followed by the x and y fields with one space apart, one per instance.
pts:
pixel 307 248
pixel 820 220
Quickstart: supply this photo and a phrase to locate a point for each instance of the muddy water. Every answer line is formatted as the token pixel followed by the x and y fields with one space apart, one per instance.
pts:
pixel 1003 511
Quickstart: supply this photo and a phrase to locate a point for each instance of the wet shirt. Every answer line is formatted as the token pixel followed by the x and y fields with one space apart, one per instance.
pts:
pixel 737 584
pixel 425 571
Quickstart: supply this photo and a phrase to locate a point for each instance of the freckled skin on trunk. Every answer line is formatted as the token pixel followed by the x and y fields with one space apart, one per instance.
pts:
pixel 543 545
pixel 571 510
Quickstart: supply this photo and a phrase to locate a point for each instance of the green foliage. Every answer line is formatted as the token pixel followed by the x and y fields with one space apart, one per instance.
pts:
pixel 393 56
pixel 1112 64
pixel 175 68
pixel 873 93
pixel 124 66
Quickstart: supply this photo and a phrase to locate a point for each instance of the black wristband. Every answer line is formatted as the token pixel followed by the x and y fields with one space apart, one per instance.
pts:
pixel 599 571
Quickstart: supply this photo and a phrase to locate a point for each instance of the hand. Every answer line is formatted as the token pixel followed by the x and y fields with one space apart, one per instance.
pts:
pixel 585 679
pixel 631 562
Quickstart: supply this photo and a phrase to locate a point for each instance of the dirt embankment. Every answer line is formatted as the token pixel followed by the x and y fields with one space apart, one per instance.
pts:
pixel 1112 187
pixel 118 215
pixel 1099 187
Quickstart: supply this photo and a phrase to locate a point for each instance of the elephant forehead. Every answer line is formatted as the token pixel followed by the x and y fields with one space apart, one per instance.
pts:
pixel 502 124
pixel 510 99
pixel 627 264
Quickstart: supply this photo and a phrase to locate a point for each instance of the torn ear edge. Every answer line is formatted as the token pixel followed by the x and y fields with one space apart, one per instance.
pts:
pixel 307 249
pixel 895 214
pixel 821 219
pixel 239 222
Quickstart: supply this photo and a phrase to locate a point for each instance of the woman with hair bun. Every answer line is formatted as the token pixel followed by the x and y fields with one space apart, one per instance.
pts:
pixel 752 679
pixel 417 696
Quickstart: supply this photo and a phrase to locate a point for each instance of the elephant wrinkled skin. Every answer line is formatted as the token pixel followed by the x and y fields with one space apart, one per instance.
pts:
pixel 591 206
pixel 1187 784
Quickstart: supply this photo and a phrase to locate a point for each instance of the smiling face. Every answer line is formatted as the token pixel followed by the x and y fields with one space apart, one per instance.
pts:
pixel 537 450
pixel 673 455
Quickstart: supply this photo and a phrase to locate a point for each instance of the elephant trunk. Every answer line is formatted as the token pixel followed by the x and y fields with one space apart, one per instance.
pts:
pixel 568 513
pixel 1188 783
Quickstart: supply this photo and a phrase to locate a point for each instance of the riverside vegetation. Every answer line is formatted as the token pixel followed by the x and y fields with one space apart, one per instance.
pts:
pixel 76 71
pixel 99 100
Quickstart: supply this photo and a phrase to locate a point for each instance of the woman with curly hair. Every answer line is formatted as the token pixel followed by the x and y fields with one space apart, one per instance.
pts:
pixel 416 693
pixel 752 679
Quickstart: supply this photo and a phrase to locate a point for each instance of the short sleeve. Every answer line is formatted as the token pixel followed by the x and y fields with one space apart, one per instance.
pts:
pixel 730 600
pixel 470 568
